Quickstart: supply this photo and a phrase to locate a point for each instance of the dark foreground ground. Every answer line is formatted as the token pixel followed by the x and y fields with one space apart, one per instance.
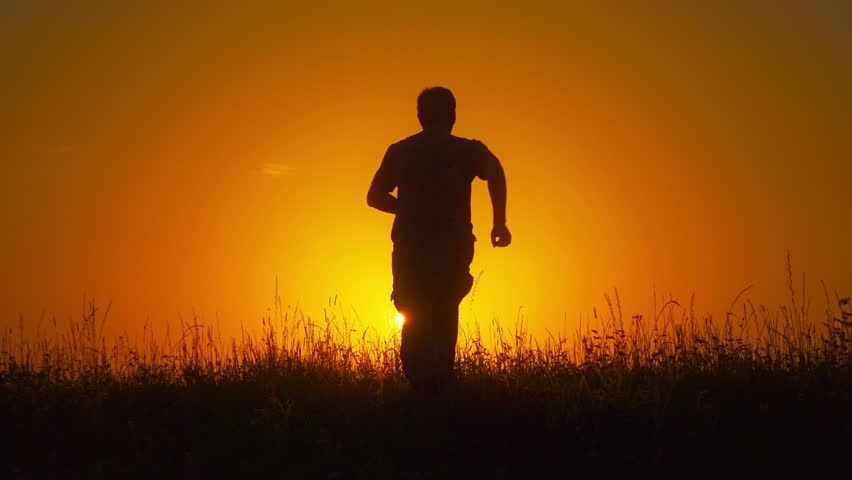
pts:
pixel 742 425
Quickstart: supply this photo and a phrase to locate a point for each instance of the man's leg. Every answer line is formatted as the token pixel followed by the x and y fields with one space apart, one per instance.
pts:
pixel 414 348
pixel 428 345
pixel 450 282
pixel 457 282
pixel 408 299
pixel 429 282
pixel 444 342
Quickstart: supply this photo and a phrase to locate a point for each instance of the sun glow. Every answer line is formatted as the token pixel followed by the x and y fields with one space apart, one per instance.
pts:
pixel 399 318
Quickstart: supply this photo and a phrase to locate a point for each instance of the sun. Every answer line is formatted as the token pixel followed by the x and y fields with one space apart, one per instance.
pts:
pixel 399 318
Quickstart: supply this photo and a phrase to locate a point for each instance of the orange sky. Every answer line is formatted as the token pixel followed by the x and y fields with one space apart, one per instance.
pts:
pixel 175 160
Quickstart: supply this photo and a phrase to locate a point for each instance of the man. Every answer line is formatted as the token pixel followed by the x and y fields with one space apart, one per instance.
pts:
pixel 432 232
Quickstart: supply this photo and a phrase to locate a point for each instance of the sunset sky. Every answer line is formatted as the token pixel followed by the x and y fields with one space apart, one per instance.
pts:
pixel 176 159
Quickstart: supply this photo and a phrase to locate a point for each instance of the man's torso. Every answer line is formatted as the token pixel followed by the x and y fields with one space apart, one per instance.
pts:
pixel 434 175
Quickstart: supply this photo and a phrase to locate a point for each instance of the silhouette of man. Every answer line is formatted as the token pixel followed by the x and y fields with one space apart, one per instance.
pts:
pixel 432 232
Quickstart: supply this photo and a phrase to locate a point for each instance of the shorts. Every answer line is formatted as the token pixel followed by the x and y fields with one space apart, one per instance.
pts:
pixel 434 270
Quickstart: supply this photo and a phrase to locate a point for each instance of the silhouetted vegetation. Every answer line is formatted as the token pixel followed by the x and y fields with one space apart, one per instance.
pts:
pixel 758 392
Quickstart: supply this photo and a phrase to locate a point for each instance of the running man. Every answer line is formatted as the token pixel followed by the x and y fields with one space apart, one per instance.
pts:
pixel 432 232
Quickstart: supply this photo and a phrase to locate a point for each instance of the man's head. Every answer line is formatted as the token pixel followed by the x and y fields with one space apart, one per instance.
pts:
pixel 436 109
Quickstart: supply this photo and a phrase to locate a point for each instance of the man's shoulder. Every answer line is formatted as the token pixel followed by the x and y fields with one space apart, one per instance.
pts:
pixel 398 149
pixel 407 141
pixel 420 136
pixel 470 143
pixel 419 140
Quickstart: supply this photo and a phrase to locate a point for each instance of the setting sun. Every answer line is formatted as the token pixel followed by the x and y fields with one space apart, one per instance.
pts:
pixel 399 319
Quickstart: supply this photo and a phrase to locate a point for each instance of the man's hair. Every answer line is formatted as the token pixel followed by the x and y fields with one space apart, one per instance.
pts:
pixel 436 108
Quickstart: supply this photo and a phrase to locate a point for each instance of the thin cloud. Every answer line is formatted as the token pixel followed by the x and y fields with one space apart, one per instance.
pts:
pixel 276 170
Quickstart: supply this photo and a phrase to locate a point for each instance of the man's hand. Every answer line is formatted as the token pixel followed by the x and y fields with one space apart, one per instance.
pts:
pixel 501 236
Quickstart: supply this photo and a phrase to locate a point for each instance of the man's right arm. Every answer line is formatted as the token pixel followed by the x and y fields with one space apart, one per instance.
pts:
pixel 492 172
pixel 500 234
pixel 379 195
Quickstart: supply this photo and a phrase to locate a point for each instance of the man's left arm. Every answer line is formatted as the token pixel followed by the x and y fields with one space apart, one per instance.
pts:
pixel 384 182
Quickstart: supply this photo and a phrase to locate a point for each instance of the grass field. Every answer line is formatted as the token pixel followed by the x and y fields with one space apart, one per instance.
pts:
pixel 759 393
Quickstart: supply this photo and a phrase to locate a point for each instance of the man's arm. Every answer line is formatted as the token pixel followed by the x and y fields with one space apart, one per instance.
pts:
pixel 379 195
pixel 497 191
pixel 492 171
pixel 381 200
pixel 500 235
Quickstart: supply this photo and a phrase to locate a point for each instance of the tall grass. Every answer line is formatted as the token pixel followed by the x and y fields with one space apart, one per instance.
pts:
pixel 757 391
pixel 672 342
